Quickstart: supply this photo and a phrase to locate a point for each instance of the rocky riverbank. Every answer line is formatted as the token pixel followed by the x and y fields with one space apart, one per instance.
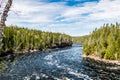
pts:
pixel 116 62
pixel 102 64
pixel 103 67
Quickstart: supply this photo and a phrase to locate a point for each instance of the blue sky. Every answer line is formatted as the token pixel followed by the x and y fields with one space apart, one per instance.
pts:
pixel 73 17
pixel 71 2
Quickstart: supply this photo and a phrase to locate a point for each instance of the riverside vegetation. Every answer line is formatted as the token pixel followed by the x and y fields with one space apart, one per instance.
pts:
pixel 103 42
pixel 22 39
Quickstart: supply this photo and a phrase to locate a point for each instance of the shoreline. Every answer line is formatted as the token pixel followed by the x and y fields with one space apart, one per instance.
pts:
pixel 12 56
pixel 14 53
pixel 53 46
pixel 116 62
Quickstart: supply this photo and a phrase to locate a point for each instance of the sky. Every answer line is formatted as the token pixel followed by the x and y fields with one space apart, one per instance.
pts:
pixel 72 17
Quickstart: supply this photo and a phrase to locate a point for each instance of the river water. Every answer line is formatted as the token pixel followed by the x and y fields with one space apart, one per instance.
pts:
pixel 58 64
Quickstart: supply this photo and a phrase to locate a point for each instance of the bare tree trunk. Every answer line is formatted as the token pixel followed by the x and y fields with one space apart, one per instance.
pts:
pixel 1 3
pixel 4 17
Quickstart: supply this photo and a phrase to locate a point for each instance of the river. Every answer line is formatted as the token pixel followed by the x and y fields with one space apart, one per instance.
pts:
pixel 58 64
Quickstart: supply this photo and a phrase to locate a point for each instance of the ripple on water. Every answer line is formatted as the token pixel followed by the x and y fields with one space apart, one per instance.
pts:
pixel 64 64
pixel 41 76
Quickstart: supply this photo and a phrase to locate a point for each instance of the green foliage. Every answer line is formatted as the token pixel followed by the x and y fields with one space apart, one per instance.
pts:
pixel 105 41
pixel 102 53
pixel 79 39
pixel 22 39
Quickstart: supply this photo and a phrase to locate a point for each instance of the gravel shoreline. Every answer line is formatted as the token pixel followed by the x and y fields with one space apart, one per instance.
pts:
pixel 102 60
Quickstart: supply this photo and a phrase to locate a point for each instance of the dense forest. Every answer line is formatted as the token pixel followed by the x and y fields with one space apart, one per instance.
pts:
pixel 103 42
pixel 22 39
pixel 79 39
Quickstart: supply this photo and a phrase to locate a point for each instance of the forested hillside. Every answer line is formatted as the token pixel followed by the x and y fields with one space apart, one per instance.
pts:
pixel 103 42
pixel 80 39
pixel 22 39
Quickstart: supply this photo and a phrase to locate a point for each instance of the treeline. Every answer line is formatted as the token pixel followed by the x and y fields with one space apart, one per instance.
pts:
pixel 80 39
pixel 22 39
pixel 104 42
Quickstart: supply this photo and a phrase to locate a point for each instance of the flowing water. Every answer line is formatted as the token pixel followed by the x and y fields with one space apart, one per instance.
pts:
pixel 58 64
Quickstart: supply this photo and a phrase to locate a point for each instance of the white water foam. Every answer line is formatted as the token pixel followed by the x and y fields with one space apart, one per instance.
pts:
pixel 80 75
pixel 48 57
pixel 40 76
pixel 73 72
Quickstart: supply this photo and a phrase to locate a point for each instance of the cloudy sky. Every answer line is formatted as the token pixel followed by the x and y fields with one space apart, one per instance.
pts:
pixel 73 17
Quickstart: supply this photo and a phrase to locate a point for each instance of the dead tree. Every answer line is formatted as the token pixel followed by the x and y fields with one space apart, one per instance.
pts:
pixel 4 17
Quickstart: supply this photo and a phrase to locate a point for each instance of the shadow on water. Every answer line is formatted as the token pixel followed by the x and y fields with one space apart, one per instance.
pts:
pixel 58 64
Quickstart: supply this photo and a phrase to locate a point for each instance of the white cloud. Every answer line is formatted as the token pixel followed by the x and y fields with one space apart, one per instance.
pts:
pixel 59 17
pixel 105 9
pixel 35 11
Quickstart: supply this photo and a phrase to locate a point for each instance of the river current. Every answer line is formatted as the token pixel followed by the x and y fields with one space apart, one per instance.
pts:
pixel 58 64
